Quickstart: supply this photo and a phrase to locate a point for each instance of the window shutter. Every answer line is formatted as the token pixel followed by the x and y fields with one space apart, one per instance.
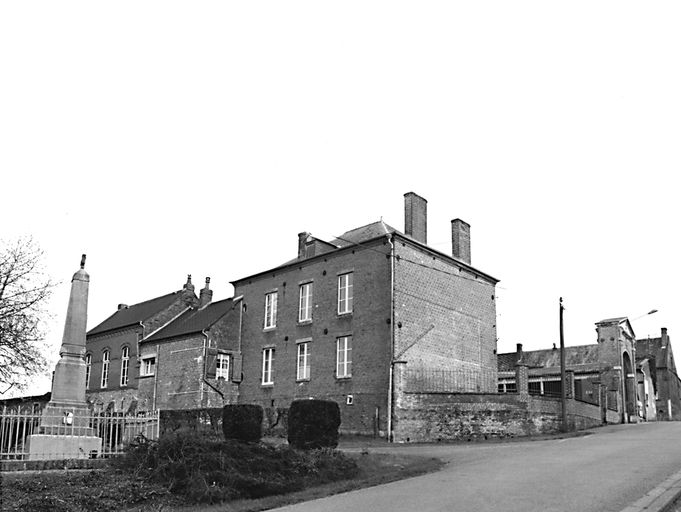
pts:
pixel 211 363
pixel 236 369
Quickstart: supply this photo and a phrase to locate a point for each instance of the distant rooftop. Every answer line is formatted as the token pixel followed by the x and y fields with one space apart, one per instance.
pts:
pixel 193 321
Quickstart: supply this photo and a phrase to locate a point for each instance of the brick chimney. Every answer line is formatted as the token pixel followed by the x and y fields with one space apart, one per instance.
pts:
pixel 461 240
pixel 206 294
pixel 416 217
pixel 302 244
pixel 188 285
pixel 664 337
pixel 122 306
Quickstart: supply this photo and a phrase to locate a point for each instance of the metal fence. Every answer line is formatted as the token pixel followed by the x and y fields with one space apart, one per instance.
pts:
pixel 115 431
pixel 431 380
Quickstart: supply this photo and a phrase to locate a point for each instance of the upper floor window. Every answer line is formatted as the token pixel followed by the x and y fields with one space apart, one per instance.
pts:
pixel 303 368
pixel 88 368
pixel 268 366
pixel 270 310
pixel 222 366
pixel 344 356
pixel 125 365
pixel 148 366
pixel 105 368
pixel 345 293
pixel 305 303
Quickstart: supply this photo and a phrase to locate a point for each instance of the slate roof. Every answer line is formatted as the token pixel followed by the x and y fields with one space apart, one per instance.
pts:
pixel 132 315
pixel 617 319
pixel 193 321
pixel 582 357
pixel 363 233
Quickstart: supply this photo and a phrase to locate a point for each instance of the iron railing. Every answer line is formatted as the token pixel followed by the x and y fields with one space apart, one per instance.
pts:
pixel 115 430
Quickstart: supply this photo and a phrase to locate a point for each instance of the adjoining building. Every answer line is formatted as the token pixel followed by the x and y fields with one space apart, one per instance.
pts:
pixel 666 395
pixel 619 372
pixel 112 347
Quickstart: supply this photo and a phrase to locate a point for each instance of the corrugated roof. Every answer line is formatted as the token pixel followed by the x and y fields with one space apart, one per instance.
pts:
pixel 131 315
pixel 582 357
pixel 193 321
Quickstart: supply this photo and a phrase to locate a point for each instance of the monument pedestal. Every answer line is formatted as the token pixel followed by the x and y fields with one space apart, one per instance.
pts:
pixel 65 432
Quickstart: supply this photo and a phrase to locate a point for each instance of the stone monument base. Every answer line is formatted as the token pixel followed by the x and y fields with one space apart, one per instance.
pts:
pixel 51 447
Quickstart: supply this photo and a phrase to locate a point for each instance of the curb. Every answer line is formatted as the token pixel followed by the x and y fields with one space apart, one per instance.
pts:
pixel 661 498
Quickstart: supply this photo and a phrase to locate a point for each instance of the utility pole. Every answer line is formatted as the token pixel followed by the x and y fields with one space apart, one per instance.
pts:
pixel 563 390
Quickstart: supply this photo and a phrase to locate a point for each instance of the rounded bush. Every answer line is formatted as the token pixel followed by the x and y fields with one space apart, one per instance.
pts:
pixel 313 424
pixel 242 422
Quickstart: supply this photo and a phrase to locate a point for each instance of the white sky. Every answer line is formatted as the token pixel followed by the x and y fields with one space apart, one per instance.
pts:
pixel 167 138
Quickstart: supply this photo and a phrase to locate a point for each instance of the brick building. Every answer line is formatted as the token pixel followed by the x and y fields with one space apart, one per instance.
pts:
pixel 193 361
pixel 333 322
pixel 112 347
pixel 667 384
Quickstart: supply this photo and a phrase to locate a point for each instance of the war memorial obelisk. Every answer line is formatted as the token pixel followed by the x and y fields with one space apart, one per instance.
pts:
pixel 65 431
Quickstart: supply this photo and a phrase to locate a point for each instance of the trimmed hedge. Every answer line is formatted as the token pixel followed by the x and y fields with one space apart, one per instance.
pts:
pixel 242 422
pixel 313 424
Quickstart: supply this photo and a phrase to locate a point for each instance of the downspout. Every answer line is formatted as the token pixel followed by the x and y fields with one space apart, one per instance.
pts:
pixel 158 366
pixel 203 375
pixel 392 339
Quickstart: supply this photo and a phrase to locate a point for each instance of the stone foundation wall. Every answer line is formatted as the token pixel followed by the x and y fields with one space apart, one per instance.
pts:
pixel 423 417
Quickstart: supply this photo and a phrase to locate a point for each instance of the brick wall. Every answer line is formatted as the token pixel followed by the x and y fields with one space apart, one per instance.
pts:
pixel 445 315
pixel 114 342
pixel 368 324
pixel 421 417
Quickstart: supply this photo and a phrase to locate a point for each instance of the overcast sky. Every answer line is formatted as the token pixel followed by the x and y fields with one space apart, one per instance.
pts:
pixel 168 138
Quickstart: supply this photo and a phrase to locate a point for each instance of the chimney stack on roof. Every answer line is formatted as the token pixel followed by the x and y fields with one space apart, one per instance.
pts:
pixel 122 306
pixel 461 240
pixel 416 217
pixel 188 285
pixel 302 244
pixel 206 294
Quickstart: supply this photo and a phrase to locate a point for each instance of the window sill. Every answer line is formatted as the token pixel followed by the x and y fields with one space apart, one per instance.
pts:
pixel 305 322
pixel 346 314
pixel 303 380
pixel 345 377
pixel 267 329
pixel 267 384
pixel 146 376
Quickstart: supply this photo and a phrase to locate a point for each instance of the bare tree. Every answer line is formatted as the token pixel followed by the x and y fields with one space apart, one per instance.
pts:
pixel 24 292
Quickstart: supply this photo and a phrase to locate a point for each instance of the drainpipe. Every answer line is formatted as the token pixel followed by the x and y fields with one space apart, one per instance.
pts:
pixel 392 339
pixel 158 366
pixel 203 376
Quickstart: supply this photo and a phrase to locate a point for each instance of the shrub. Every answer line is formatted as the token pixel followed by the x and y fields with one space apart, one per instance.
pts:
pixel 242 422
pixel 204 470
pixel 313 424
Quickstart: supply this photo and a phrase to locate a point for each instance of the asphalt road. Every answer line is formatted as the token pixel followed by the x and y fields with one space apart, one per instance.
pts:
pixel 605 471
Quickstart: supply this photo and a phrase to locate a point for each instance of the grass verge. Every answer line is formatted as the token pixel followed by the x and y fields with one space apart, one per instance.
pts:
pixel 206 475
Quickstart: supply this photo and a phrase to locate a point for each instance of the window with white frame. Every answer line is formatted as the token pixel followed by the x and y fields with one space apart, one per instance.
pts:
pixel 125 364
pixel 105 368
pixel 345 293
pixel 222 366
pixel 344 356
pixel 268 366
pixel 303 372
pixel 305 303
pixel 148 366
pixel 270 310
pixel 88 369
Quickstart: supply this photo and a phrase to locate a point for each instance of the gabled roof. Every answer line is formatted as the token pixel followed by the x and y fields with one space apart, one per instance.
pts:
pixel 652 347
pixel 135 314
pixel 193 321
pixel 582 357
pixel 617 320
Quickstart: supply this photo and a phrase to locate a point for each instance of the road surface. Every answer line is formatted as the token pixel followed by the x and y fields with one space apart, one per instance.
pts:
pixel 606 471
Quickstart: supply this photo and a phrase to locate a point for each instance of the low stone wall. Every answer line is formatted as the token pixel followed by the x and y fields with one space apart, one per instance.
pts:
pixel 459 416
